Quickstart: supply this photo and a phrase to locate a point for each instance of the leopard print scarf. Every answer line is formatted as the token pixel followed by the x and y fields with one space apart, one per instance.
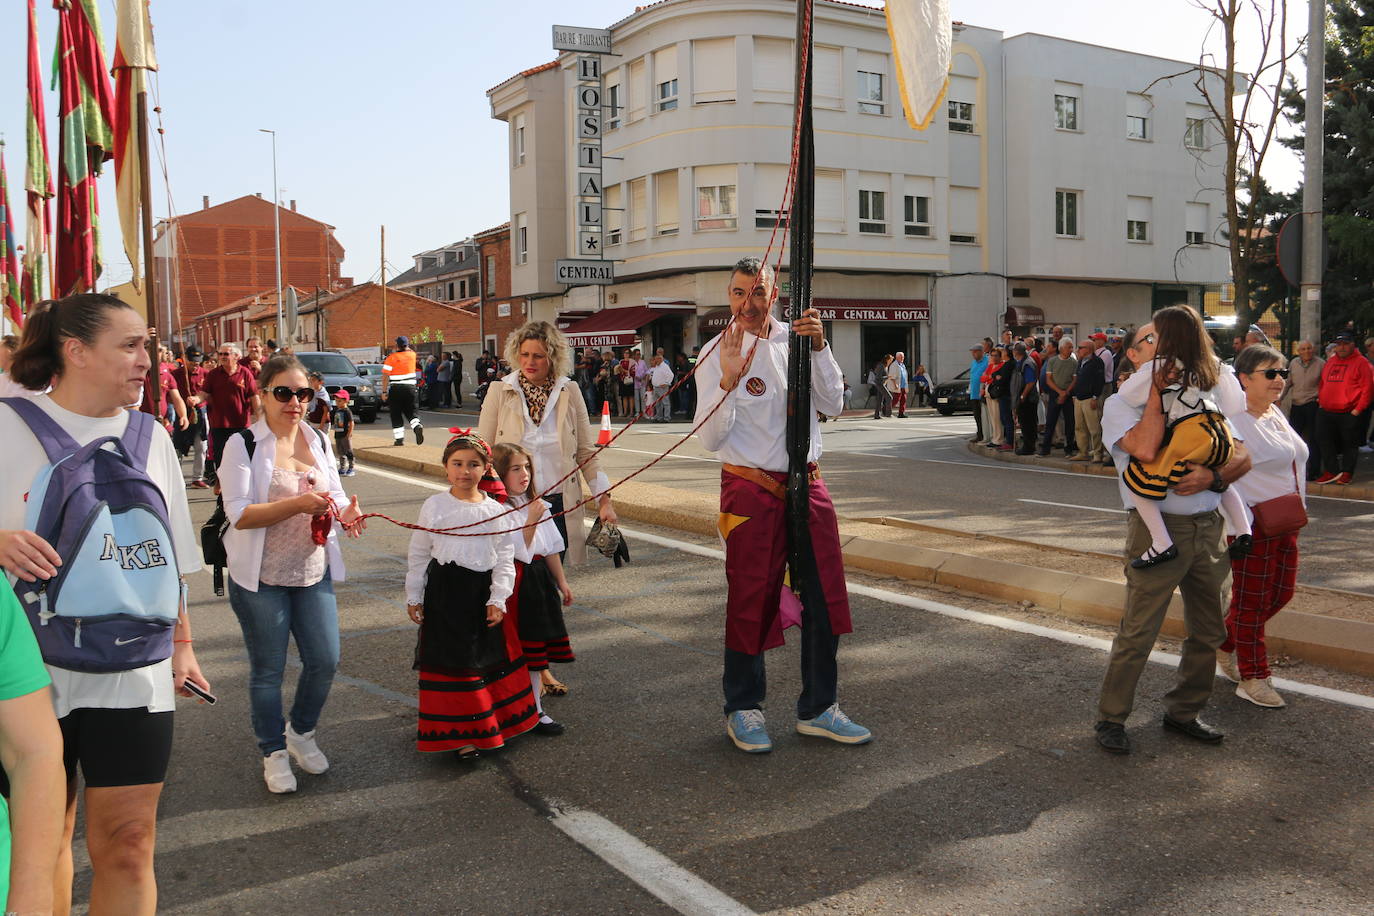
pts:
pixel 536 396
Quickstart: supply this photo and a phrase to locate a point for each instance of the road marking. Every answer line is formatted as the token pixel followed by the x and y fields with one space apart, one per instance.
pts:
pixel 1343 697
pixel 645 866
pixel 1046 502
pixel 636 451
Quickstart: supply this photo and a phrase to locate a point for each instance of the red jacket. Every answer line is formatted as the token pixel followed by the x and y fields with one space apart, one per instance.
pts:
pixel 1347 385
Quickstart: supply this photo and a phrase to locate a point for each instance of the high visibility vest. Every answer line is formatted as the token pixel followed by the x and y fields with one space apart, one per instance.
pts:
pixel 399 367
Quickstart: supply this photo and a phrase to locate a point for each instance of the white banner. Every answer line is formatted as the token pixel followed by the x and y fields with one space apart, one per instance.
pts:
pixel 921 39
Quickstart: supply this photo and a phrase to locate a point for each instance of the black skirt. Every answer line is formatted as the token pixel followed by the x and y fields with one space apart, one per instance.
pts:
pixel 454 637
pixel 541 605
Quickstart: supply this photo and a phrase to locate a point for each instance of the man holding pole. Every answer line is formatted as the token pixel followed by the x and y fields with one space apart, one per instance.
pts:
pixel 744 371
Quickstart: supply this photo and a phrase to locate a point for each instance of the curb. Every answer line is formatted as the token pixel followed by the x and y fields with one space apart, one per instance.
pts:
pixel 1347 645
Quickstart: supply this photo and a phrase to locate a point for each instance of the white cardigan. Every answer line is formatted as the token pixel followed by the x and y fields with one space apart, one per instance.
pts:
pixel 243 484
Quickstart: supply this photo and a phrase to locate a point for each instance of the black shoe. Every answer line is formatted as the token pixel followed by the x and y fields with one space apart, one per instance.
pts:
pixel 1043 453
pixel 419 435
pixel 550 729
pixel 1241 547
pixel 1154 559
pixel 1112 737
pixel 1025 451
pixel 1196 729
pixel 901 416
pixel 399 442
pixel 468 754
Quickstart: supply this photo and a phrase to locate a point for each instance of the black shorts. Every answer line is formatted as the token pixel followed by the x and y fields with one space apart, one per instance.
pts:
pixel 117 747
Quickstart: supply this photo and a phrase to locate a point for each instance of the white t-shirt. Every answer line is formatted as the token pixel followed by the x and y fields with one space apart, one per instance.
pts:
pixel 1278 457
pixel 150 686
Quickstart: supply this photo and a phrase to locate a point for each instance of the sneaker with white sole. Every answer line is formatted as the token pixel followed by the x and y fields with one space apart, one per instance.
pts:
pixel 1226 664
pixel 276 772
pixel 306 752
pixel 836 726
pixel 1260 692
pixel 746 728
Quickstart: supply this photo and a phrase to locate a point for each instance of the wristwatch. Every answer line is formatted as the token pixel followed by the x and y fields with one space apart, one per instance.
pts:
pixel 1218 485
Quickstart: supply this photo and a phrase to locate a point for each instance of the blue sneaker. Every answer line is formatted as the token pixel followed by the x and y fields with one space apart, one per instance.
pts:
pixel 836 726
pixel 745 728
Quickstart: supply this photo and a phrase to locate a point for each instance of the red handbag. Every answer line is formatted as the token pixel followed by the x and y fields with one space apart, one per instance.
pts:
pixel 1280 515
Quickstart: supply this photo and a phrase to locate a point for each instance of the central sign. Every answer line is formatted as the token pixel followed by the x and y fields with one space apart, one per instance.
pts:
pixel 582 271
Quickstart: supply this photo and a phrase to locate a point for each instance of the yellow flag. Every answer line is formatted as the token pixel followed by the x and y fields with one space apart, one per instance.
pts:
pixel 921 39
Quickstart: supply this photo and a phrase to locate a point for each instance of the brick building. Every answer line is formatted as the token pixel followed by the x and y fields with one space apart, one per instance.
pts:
pixel 501 312
pixel 352 320
pixel 217 255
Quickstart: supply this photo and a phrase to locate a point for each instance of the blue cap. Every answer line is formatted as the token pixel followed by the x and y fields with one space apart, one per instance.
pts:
pixel 403 341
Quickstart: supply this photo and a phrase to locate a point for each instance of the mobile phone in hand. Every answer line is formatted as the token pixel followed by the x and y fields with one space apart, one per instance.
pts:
pixel 201 692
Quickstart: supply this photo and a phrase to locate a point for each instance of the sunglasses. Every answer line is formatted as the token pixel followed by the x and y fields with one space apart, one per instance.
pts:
pixel 284 394
pixel 1272 374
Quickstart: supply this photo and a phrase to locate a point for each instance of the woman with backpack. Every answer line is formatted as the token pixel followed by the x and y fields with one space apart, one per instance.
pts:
pixel 282 496
pixel 113 690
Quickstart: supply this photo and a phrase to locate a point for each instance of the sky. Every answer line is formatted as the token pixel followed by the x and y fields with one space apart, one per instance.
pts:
pixel 381 110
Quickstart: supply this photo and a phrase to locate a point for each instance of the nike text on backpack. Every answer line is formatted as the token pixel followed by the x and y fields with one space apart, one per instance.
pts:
pixel 212 532
pixel 113 604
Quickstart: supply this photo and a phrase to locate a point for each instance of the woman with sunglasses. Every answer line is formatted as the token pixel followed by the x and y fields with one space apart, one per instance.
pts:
pixel 283 496
pixel 1263 582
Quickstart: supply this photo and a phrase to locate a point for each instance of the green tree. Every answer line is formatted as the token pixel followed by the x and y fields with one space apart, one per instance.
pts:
pixel 1347 163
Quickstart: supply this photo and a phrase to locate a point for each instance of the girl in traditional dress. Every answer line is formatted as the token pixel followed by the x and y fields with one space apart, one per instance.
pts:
pixel 541 589
pixel 1197 394
pixel 474 688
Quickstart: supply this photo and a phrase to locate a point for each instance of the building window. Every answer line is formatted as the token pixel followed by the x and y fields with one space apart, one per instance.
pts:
pixel 961 116
pixel 665 203
pixel 916 215
pixel 667 95
pixel 1138 107
pixel 639 208
pixel 830 201
pixel 713 71
pixel 1195 136
pixel 519 140
pixel 963 238
pixel 635 77
pixel 1066 214
pixel 1138 212
pixel 1066 112
pixel 872 212
pixel 450 293
pixel 1137 128
pixel 491 275
pixel 1195 238
pixel 613 105
pixel 870 93
pixel 522 247
pixel 774 70
pixel 1195 226
pixel 715 186
pixel 615 215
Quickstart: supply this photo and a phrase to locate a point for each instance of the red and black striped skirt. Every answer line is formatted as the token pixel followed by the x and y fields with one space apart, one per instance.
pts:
pixel 536 606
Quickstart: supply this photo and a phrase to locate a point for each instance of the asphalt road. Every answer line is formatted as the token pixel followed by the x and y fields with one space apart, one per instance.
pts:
pixel 920 469
pixel 982 793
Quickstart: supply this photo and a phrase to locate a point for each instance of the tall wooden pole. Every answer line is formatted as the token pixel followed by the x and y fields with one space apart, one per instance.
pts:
pixel 801 223
pixel 145 191
pixel 384 337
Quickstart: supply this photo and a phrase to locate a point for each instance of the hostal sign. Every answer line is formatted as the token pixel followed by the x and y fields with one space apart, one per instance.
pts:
pixel 588 198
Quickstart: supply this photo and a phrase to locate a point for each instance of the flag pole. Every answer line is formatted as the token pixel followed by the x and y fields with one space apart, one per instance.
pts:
pixel 145 193
pixel 801 224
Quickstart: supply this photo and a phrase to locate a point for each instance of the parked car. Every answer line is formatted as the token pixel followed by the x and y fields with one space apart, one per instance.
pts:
pixel 339 372
pixel 372 374
pixel 953 395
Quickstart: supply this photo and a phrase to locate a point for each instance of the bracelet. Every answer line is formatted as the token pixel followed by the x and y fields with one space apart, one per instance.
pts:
pixel 183 640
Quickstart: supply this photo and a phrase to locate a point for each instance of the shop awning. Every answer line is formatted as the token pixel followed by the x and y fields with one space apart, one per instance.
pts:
pixel 869 309
pixel 714 321
pixel 612 327
pixel 1024 316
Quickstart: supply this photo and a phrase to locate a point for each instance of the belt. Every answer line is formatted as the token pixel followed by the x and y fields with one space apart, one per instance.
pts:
pixel 766 480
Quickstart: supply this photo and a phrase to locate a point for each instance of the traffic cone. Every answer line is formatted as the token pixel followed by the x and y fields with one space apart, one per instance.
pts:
pixel 604 437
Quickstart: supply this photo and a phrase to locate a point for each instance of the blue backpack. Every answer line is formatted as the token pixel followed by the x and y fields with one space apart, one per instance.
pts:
pixel 113 604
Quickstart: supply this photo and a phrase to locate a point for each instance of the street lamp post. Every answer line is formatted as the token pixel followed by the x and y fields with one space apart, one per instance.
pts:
pixel 276 220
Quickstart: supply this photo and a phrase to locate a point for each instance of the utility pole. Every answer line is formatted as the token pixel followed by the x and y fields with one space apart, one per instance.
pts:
pixel 276 220
pixel 1313 263
pixel 384 337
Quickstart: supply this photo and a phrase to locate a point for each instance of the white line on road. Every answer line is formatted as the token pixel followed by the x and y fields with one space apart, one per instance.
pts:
pixel 645 866
pixel 1046 502
pixel 1343 697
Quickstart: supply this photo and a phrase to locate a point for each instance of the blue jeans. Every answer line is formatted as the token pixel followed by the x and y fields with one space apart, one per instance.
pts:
pixel 269 617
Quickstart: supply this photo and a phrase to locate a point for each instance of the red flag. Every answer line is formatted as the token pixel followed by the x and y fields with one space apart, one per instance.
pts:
pixel 86 141
pixel 9 264
pixel 133 59
pixel 37 182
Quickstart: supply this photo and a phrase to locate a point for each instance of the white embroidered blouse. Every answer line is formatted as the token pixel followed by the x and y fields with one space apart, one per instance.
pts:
pixel 491 550
pixel 547 540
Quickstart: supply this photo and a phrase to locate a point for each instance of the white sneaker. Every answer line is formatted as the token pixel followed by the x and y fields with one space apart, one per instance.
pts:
pixel 1260 692
pixel 1226 664
pixel 276 772
pixel 305 751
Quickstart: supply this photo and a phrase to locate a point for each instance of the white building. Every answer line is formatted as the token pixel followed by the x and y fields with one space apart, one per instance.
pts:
pixel 925 239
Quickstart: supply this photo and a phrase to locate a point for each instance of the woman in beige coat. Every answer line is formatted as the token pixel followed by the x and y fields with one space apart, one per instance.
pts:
pixel 539 407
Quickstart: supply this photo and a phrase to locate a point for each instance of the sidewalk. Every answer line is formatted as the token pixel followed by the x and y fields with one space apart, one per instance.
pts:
pixel 1357 490
pixel 1334 627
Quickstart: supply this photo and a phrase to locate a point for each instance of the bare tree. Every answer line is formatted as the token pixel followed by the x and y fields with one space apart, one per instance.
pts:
pixel 1245 108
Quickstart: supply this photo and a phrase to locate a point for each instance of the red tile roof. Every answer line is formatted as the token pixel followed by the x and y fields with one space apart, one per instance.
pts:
pixel 530 72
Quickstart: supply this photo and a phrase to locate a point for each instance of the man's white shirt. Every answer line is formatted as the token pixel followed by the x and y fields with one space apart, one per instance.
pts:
pixel 750 427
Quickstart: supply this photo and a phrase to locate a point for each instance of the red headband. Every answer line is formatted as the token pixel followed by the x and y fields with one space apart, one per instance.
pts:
pixel 471 437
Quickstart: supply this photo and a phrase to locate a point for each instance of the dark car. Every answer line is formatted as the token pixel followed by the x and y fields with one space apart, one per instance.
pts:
pixel 339 372
pixel 953 395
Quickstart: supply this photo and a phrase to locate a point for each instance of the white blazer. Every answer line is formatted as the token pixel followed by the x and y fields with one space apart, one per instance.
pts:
pixel 244 484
